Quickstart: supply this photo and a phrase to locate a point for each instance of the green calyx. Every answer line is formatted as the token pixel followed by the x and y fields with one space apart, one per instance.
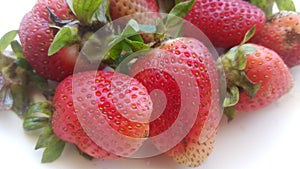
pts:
pixel 38 117
pixel 234 63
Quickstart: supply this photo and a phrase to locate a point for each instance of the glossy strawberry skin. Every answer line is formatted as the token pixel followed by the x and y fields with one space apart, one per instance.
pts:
pixel 88 102
pixel 36 36
pixel 187 62
pixel 266 68
pixel 281 33
pixel 225 22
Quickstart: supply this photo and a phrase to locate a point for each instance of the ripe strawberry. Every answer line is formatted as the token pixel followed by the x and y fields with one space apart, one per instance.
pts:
pixel 36 37
pixel 261 76
pixel 267 69
pixel 281 33
pixel 181 71
pixel 225 22
pixel 104 113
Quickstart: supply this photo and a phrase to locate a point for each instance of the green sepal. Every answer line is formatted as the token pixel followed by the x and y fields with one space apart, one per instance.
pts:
pixel 20 97
pixel 45 138
pixel 136 45
pixel 6 39
pixel 23 63
pixel 172 25
pixel 85 9
pixel 232 97
pixel 128 41
pixel 249 34
pixel 34 123
pixel 133 28
pixel 179 11
pixel 45 108
pixel 66 36
pixel 286 5
pixel 17 49
pixel 102 13
pixel 53 150
pixel 230 113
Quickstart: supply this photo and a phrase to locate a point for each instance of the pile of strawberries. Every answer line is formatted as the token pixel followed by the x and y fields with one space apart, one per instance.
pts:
pixel 171 93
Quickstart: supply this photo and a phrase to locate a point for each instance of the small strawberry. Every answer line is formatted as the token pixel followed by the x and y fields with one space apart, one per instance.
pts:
pixel 36 36
pixel 225 21
pixel 256 77
pixel 281 33
pixel 104 113
pixel 182 71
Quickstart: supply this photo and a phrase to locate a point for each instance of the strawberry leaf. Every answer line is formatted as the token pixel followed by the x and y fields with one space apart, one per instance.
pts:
pixel 7 39
pixel 133 28
pixel 34 123
pixel 287 5
pixel 232 97
pixel 20 98
pixel 85 9
pixel 102 13
pixel 53 150
pixel 137 45
pixel 42 107
pixel 66 36
pixel 17 49
pixel 182 9
pixel 45 138
pixel 249 34
pixel 230 113
pixel 179 11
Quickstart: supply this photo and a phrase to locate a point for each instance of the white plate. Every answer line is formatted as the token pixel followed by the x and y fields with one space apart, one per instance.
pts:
pixel 268 138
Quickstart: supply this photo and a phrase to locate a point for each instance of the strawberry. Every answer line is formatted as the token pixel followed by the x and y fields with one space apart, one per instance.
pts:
pixel 257 77
pixel 225 21
pixel 266 68
pixel 36 36
pixel 105 114
pixel 181 74
pixel 281 33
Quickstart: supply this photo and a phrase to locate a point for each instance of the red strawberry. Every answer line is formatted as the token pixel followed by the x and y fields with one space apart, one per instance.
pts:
pixel 36 37
pixel 104 113
pixel 261 76
pixel 182 71
pixel 267 69
pixel 281 33
pixel 225 21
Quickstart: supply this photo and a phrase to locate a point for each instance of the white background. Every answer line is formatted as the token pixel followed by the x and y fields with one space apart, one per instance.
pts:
pixel 268 138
